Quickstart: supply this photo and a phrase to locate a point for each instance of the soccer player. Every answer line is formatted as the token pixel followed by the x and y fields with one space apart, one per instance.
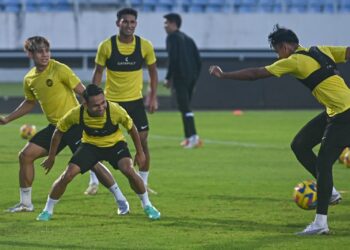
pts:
pixel 316 68
pixel 183 71
pixel 54 86
pixel 123 55
pixel 102 140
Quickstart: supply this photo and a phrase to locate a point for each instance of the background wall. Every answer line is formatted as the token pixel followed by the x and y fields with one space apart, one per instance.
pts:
pixel 233 41
pixel 210 30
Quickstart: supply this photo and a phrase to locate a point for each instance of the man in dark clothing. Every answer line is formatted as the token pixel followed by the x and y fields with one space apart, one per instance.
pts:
pixel 183 71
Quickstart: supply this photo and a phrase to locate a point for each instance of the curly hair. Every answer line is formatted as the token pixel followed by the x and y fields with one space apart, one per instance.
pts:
pixel 280 35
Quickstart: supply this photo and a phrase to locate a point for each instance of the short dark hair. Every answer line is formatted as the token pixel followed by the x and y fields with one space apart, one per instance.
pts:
pixel 280 35
pixel 174 18
pixel 126 11
pixel 34 43
pixel 91 90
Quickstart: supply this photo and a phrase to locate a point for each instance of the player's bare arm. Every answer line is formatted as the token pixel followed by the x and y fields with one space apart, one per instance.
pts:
pixel 140 158
pixel 244 74
pixel 152 95
pixel 79 89
pixel 55 142
pixel 97 75
pixel 24 108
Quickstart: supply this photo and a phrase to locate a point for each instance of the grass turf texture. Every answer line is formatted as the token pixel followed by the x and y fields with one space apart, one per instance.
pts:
pixel 234 193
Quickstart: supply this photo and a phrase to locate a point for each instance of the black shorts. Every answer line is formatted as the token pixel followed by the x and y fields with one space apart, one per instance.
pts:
pixel 87 155
pixel 71 138
pixel 137 112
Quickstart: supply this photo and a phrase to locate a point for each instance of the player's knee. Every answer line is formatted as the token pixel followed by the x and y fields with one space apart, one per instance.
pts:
pixel 297 145
pixel 67 177
pixel 24 156
pixel 129 172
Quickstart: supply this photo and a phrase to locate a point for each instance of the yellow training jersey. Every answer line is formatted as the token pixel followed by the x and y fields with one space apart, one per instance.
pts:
pixel 53 89
pixel 118 116
pixel 332 92
pixel 126 85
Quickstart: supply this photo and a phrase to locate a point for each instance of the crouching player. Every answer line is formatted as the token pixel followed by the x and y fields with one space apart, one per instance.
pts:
pixel 102 140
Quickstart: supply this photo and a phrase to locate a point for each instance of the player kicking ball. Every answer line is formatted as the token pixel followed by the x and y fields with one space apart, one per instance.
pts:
pixel 102 140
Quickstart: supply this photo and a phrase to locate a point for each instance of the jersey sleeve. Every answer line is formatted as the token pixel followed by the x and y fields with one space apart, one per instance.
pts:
pixel 338 53
pixel 103 53
pixel 148 52
pixel 120 116
pixel 28 94
pixel 69 119
pixel 69 78
pixel 282 66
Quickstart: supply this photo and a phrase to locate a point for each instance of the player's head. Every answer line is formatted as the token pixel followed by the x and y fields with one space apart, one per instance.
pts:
pixel 126 21
pixel 38 49
pixel 172 22
pixel 95 100
pixel 283 41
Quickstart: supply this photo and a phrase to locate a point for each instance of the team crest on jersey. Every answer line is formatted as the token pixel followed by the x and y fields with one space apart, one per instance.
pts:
pixel 49 82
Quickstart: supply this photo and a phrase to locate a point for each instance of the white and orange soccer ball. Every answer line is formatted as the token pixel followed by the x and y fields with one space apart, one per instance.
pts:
pixel 343 154
pixel 305 195
pixel 346 159
pixel 27 131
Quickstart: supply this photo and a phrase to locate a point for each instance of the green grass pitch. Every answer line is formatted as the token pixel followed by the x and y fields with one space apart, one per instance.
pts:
pixel 234 193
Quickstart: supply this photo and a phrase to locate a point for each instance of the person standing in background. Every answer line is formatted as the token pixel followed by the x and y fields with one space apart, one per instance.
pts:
pixel 183 71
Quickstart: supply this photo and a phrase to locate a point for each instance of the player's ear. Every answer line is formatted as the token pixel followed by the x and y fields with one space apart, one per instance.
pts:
pixel 84 103
pixel 30 54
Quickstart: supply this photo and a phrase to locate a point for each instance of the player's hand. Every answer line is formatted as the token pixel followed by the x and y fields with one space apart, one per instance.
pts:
pixel 167 83
pixel 48 164
pixel 3 120
pixel 153 104
pixel 215 71
pixel 140 159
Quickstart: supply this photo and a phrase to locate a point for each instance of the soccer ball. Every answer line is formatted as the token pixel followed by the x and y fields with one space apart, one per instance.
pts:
pixel 27 131
pixel 305 195
pixel 346 159
pixel 342 156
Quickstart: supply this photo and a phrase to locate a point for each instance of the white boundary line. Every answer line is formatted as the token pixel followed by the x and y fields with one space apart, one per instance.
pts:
pixel 219 142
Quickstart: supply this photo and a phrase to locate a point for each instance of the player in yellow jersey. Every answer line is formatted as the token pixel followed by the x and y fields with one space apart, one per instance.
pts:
pixel 102 140
pixel 316 68
pixel 123 55
pixel 54 85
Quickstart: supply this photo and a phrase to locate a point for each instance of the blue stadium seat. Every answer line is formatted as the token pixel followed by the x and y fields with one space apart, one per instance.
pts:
pixel 247 6
pixel 135 3
pixel 199 2
pixel 316 6
pixel 164 6
pixel 266 6
pixel 330 6
pixel 344 6
pixel 297 6
pixel 149 5
pixel 194 8
pixel 215 6
pixel 12 5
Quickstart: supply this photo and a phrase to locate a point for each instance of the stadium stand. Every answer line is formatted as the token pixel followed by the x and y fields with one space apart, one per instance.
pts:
pixel 344 6
pixel 192 6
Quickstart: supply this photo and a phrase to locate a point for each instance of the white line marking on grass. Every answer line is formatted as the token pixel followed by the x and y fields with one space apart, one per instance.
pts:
pixel 226 143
